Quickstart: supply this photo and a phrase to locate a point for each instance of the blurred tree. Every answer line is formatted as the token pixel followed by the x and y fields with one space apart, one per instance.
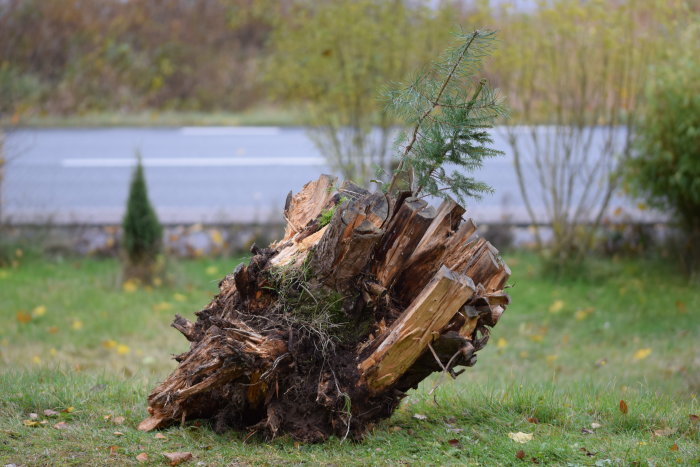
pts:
pixel 666 167
pixel 131 55
pixel 142 232
pixel 575 71
pixel 332 58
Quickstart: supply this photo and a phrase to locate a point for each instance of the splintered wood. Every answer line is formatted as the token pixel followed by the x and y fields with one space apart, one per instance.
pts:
pixel 323 332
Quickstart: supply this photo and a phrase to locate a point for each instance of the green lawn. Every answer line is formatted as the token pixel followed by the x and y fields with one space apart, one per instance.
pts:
pixel 564 354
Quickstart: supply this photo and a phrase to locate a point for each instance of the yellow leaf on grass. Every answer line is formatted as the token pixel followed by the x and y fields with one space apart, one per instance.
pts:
pixel 77 325
pixel 4 274
pixel 36 359
pixel 583 313
pixel 179 297
pixel 552 358
pixel 157 281
pixel 680 305
pixel 109 344
pixel 53 352
pixel 52 329
pixel 537 338
pixel 39 311
pixel 130 286
pixel 501 343
pixel 521 437
pixel 212 271
pixel 123 349
pixel 162 306
pixel 556 306
pixel 641 354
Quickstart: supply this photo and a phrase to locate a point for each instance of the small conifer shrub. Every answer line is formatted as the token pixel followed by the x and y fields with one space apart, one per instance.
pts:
pixel 142 239
pixel 449 113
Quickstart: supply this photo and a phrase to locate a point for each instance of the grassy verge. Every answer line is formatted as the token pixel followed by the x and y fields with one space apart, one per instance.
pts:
pixel 259 116
pixel 560 360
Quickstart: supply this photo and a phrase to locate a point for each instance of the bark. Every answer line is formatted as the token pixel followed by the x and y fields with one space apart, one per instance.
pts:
pixel 323 332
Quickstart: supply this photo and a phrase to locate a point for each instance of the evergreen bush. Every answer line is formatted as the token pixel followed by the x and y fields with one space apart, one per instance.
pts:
pixel 143 232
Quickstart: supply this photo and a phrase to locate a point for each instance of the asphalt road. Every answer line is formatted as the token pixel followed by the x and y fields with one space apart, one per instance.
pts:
pixel 196 174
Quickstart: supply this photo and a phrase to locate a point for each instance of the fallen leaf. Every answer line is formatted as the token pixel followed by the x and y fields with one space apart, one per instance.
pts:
pixel 395 429
pixel 419 416
pixel 681 307
pixel 61 426
pixel 587 431
pixel 118 433
pixel 501 343
pixel 595 425
pixel 118 420
pixel 453 442
pixel 123 349
pixel 162 306
pixel 601 362
pixel 520 454
pixel 623 407
pixel 50 413
pixel 694 418
pixel 52 329
pixel 23 317
pixel 674 447
pixel 33 416
pixel 533 420
pixel 143 457
pixel 109 344
pixel 30 423
pixel 641 354
pixel 77 325
pixel 130 286
pixel 160 436
pixel 36 359
pixel 39 311
pixel 177 458
pixel 68 410
pixel 179 297
pixel 113 450
pixel 664 432
pixel 212 271
pixel 521 437
pixel 556 306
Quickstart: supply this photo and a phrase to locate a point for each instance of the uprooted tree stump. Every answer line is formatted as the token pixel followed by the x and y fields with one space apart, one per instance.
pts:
pixel 323 332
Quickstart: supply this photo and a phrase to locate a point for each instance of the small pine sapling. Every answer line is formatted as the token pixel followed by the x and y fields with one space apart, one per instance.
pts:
pixel 449 115
pixel 143 232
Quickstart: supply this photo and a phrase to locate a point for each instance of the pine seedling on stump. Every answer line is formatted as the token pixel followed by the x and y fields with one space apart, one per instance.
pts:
pixel 450 114
pixel 366 295
pixel 142 237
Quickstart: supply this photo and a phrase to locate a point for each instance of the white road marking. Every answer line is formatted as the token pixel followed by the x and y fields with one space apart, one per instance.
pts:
pixel 193 162
pixel 229 131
